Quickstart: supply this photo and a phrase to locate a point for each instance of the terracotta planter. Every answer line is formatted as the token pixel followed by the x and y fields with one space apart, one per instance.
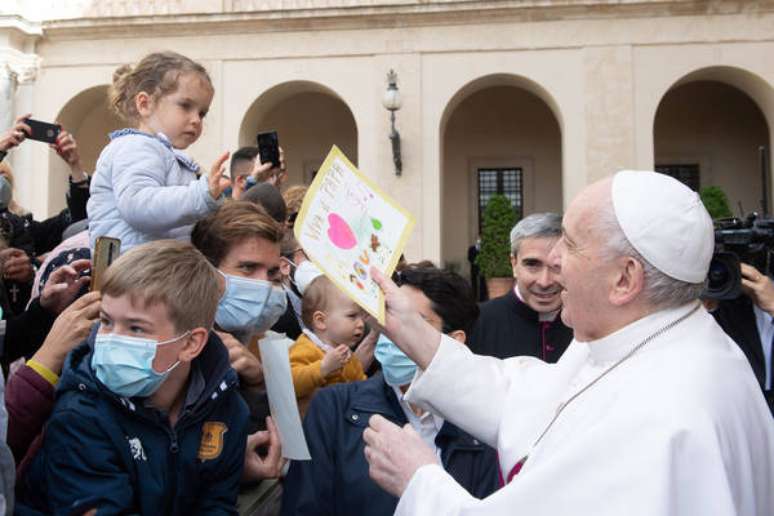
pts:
pixel 497 287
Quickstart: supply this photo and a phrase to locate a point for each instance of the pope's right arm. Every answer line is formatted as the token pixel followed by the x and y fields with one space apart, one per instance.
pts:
pixel 469 390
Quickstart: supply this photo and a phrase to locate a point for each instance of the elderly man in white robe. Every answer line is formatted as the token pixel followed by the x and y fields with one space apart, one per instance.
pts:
pixel 652 410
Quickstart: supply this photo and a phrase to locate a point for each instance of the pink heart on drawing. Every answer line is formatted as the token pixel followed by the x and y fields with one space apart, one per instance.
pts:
pixel 340 233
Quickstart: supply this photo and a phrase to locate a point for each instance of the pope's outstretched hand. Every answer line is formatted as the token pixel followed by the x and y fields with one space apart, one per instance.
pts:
pixel 404 325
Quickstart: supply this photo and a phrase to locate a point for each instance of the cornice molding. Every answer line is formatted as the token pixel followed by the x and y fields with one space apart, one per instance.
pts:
pixel 289 15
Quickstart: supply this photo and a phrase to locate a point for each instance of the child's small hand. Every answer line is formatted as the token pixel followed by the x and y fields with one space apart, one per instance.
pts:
pixel 335 359
pixel 218 180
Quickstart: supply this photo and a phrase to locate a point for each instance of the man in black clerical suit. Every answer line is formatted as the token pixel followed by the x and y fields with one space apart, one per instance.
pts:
pixel 526 320
pixel 748 321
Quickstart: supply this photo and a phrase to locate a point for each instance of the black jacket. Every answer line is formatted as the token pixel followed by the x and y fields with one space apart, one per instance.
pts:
pixel 38 237
pixel 737 318
pixel 336 482
pixel 508 327
pixel 22 335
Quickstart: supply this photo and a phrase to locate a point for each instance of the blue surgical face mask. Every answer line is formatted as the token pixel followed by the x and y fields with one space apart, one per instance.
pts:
pixel 250 182
pixel 398 369
pixel 250 305
pixel 125 364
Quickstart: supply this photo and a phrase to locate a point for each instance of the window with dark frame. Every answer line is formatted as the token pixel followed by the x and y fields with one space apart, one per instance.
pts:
pixel 688 174
pixel 505 181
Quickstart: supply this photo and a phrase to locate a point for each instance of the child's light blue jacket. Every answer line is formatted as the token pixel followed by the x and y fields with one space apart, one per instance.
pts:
pixel 145 190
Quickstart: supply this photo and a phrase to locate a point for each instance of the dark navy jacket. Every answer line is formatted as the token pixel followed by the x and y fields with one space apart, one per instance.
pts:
pixel 336 482
pixel 116 454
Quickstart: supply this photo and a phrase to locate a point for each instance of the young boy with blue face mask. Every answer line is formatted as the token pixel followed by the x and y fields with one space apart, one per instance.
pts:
pixel 336 481
pixel 148 419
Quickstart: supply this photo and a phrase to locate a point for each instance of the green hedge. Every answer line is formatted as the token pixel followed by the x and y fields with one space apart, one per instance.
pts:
pixel 499 219
pixel 716 202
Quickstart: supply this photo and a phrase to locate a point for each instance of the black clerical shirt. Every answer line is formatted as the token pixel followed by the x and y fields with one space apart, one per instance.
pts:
pixel 507 327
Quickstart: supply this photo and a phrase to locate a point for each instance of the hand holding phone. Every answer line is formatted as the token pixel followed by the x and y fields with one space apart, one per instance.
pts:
pixel 43 131
pixel 268 148
pixel 106 251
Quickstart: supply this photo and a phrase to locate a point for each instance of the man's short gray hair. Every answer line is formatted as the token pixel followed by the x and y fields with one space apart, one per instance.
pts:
pixel 537 225
pixel 661 291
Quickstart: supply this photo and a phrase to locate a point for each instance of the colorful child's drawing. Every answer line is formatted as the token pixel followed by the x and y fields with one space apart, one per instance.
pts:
pixel 347 225
pixel 340 233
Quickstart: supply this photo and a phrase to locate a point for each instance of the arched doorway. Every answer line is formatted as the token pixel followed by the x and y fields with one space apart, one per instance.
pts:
pixel 499 134
pixel 309 118
pixel 708 131
pixel 88 117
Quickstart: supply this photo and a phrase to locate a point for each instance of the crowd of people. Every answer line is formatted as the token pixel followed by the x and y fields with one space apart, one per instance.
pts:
pixel 600 384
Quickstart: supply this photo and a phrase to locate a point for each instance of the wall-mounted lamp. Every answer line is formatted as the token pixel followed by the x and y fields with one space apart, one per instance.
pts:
pixel 392 103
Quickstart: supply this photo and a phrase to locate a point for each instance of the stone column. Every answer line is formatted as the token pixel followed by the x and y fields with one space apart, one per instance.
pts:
pixel 8 80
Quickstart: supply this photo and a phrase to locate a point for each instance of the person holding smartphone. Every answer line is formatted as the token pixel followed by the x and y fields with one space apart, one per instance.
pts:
pixel 25 238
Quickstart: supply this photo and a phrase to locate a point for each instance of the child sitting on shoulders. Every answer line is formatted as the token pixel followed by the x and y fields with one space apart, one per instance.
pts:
pixel 323 355
pixel 144 188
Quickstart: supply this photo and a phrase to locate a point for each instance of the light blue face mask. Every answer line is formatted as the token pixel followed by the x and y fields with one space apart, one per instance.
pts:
pixel 398 369
pixel 125 364
pixel 250 305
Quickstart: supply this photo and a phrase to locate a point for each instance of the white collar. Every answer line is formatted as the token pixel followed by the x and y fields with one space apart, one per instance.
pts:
pixel 542 316
pixel 411 415
pixel 617 344
pixel 317 341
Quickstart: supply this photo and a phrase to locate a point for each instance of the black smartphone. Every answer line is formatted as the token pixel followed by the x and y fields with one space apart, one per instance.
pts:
pixel 268 148
pixel 106 250
pixel 43 131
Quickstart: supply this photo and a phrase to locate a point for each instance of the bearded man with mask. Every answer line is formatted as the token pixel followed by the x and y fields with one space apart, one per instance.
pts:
pixel 336 482
pixel 526 320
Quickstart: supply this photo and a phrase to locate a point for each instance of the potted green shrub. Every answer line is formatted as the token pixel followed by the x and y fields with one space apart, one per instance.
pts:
pixel 494 256
pixel 716 202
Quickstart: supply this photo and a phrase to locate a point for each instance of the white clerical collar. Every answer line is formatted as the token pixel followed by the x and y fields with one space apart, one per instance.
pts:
pixel 542 316
pixel 621 342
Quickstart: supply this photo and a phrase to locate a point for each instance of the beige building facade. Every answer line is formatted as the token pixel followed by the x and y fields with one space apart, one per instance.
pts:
pixel 532 98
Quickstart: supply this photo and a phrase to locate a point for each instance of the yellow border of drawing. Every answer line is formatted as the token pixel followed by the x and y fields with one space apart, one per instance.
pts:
pixel 315 187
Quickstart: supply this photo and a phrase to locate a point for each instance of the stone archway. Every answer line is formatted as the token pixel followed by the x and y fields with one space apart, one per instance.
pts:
pixel 708 131
pixel 501 134
pixel 88 117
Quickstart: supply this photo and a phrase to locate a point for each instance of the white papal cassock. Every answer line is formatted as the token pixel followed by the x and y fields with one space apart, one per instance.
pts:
pixel 680 427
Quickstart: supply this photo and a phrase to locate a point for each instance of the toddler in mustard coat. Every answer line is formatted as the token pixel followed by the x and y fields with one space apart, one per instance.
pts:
pixel 322 355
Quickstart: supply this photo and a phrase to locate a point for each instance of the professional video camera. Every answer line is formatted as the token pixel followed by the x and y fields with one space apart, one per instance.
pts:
pixel 750 241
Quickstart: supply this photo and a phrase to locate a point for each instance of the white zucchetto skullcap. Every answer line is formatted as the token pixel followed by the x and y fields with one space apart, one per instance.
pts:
pixel 666 222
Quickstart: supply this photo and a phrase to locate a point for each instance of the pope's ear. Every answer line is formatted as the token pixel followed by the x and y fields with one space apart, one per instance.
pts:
pixel 629 281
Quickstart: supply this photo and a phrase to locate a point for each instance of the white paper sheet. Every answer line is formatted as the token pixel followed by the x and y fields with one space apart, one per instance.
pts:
pixel 282 396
